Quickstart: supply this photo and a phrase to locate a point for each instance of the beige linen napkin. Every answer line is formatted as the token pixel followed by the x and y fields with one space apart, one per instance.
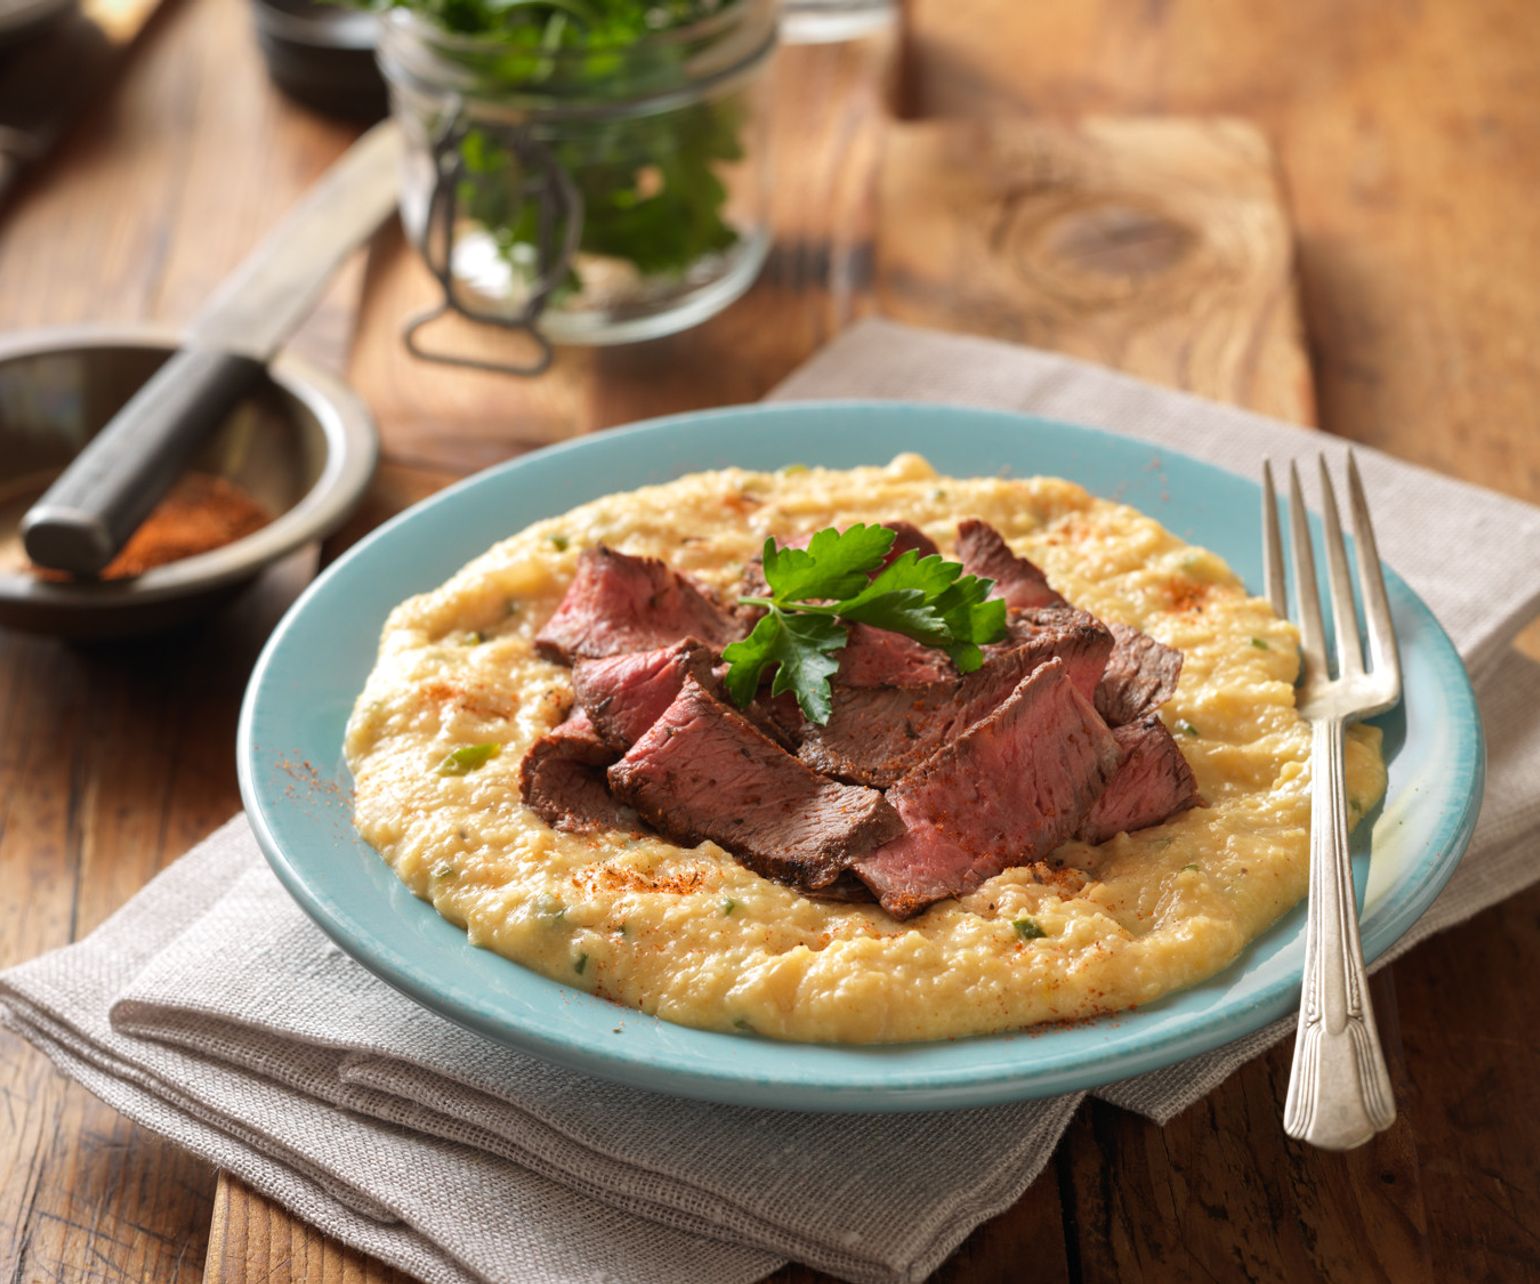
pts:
pixel 210 1009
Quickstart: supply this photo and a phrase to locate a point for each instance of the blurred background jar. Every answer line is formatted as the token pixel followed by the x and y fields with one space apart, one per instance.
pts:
pixel 813 22
pixel 590 169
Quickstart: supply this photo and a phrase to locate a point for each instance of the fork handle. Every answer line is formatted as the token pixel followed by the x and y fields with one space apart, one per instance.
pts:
pixel 1339 1089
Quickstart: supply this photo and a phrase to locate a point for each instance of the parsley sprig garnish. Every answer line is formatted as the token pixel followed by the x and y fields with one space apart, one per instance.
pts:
pixel 817 592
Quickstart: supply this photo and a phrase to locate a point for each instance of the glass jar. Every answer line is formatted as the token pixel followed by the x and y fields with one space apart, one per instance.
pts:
pixel 591 192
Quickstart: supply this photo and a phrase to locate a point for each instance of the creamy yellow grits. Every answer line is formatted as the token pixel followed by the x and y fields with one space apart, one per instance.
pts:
pixel 692 936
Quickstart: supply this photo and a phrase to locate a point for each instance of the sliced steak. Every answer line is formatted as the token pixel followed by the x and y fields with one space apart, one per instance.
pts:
pixel 618 603
pixel 1082 641
pixel 876 734
pixel 779 717
pixel 875 657
pixel 1141 676
pixel 562 780
pixel 623 695
pixel 1007 792
pixel 1152 784
pixel 703 771
pixel 983 552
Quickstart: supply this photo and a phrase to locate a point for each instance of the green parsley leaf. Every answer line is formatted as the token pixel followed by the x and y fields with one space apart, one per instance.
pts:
pixel 974 623
pixel 932 574
pixel 1260 644
pixel 835 564
pixel 1186 868
pixel 966 657
pixel 467 758
pixel 815 592
pixel 729 905
pixel 1028 929
pixel 905 611
pixel 580 964
pixel 1185 727
pixel 802 649
pixel 910 596
pixel 807 662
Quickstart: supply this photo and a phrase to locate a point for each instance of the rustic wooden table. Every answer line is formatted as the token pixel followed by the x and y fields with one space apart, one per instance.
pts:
pixel 1376 275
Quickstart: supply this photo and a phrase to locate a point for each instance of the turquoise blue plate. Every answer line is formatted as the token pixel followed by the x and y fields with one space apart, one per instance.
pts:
pixel 296 784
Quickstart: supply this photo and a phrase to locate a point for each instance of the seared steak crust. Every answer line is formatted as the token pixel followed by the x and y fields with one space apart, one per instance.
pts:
pixel 562 780
pixel 1007 792
pixel 704 771
pixel 1141 676
pixel 619 603
pixel 623 695
pixel 1078 638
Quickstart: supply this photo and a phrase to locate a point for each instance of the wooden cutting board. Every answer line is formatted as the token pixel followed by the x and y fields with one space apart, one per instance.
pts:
pixel 1158 246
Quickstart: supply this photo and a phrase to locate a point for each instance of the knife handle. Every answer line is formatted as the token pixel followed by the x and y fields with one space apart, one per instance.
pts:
pixel 104 495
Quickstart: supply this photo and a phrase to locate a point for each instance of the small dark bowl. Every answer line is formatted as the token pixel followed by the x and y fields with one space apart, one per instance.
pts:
pixel 322 55
pixel 303 445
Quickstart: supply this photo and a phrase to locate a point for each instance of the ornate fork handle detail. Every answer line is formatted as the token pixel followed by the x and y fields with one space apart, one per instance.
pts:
pixel 1339 1089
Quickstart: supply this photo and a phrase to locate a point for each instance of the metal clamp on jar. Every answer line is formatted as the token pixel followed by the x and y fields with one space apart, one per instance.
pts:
pixel 581 191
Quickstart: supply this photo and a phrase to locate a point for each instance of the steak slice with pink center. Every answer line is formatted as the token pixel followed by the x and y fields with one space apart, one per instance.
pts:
pixel 1141 676
pixel 1153 783
pixel 619 603
pixel 877 734
pixel 983 552
pixel 874 657
pixel 704 771
pixel 1078 638
pixel 1008 792
pixel 623 695
pixel 562 780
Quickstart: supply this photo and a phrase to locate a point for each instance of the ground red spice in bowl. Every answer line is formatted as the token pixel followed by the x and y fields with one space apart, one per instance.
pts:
pixel 200 512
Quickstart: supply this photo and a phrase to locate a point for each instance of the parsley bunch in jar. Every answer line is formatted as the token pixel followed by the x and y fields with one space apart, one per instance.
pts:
pixel 592 166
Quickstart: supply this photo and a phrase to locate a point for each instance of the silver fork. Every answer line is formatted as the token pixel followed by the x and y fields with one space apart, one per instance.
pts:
pixel 1339 1089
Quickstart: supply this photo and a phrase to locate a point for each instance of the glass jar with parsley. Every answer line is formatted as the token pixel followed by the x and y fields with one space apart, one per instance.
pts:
pixel 589 168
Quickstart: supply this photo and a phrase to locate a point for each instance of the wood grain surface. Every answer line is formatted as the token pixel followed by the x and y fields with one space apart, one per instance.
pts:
pixel 1407 147
pixel 1159 247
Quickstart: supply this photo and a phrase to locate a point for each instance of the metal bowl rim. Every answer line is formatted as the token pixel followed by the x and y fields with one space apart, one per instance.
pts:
pixel 352 450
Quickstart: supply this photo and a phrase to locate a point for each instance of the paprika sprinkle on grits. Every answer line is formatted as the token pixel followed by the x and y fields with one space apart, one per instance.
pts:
pixel 199 513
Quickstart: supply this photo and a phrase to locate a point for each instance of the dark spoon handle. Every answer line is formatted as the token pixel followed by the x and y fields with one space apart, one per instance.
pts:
pixel 86 516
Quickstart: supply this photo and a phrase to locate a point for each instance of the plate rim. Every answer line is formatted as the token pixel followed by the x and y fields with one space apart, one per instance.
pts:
pixel 943 1088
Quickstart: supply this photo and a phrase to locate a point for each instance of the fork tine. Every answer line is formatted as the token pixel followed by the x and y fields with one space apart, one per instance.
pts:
pixel 1350 656
pixel 1383 651
pixel 1272 543
pixel 1307 598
